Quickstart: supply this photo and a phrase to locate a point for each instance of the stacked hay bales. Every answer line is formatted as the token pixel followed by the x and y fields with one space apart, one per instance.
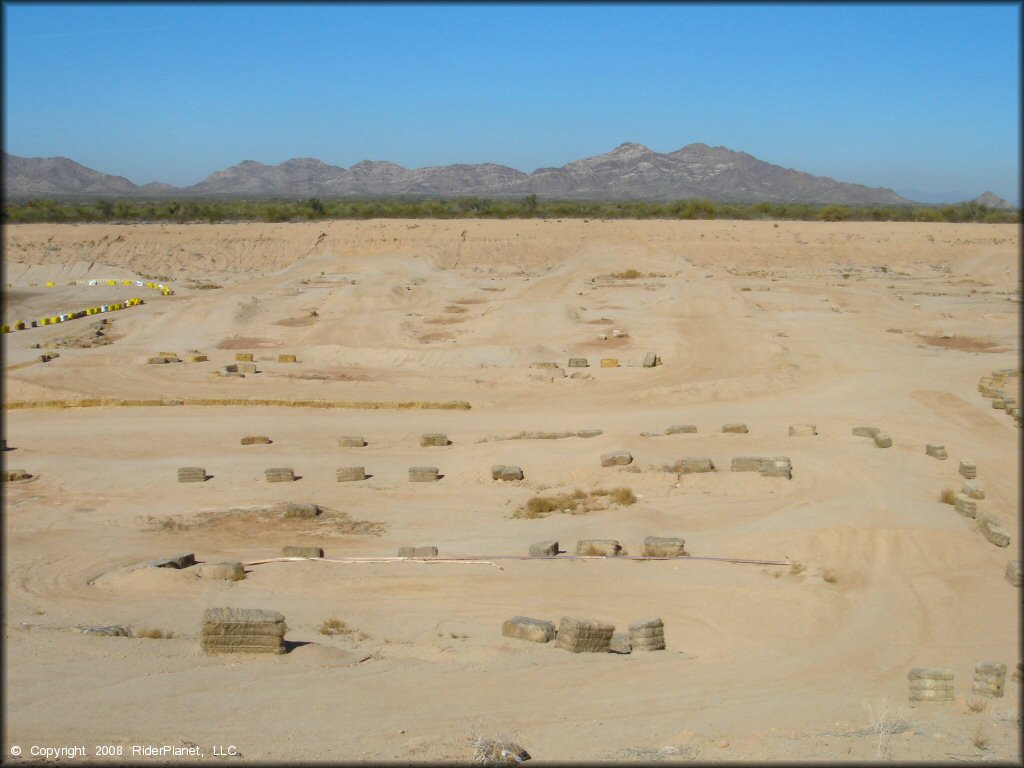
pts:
pixel 738 429
pixel 256 440
pixel 506 472
pixel 423 474
pixel 306 511
pixel 172 357
pixel 965 505
pixel 745 464
pixel 992 530
pixel 620 643
pixel 609 362
pixel 243 357
pixel 578 362
pixel 660 546
pixel 689 465
pixel 882 440
pixel 647 635
pixel 936 451
pixel 227 570
pixel 198 358
pixel 191 475
pixel 242 630
pixel 13 475
pixel 989 679
pixel 292 551
pixel 972 490
pixel 616 458
pixel 348 474
pixel 1013 572
pixel 351 441
pixel 280 474
pixel 598 548
pixel 544 549
pixel 651 360
pixel 968 469
pixel 802 430
pixel 184 560
pixel 681 429
pixel 930 684
pixel 417 551
pixel 776 466
pixel 433 439
pixel 524 628
pixel 584 635
pixel 286 359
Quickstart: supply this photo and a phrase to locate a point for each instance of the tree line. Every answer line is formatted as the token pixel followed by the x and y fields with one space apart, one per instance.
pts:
pixel 531 207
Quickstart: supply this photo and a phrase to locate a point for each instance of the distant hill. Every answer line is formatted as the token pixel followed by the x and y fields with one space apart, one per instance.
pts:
pixel 991 200
pixel 630 172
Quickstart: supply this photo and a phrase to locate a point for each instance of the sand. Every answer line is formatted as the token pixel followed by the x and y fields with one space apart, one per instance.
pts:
pixel 832 324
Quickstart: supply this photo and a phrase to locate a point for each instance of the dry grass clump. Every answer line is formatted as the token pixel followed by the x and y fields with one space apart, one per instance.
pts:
pixel 578 502
pixel 885 723
pixel 797 568
pixel 976 705
pixel 166 523
pixel 632 274
pixel 979 738
pixel 335 626
pixel 829 575
pixel 154 634
pixel 948 496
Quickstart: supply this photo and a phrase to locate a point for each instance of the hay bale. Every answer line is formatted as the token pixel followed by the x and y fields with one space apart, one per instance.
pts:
pixel 198 358
pixel 651 360
pixel 184 560
pixel 243 357
pixel 609 362
pixel 882 440
pixel 149 361
pixel 506 472
pixel 585 433
pixel 598 547
pixel 965 505
pixel 616 458
pixel 256 440
pixel 417 551
pixel 286 359
pixel 302 551
pixel 346 474
pixel 936 451
pixel 992 530
pixel 968 469
pixel 578 362
pixel 524 628
pixel 993 690
pixel 745 464
pixel 660 546
pixel 584 635
pixel 866 431
pixel 1013 572
pixel 802 430
pixel 351 441
pixel 228 570
pixel 931 685
pixel 307 511
pixel 998 403
pixel 191 475
pixel 434 438
pixel 776 466
pixel 739 429
pixel 13 475
pixel 620 643
pixel 931 695
pixel 1018 673
pixel 989 678
pixel 972 490
pixel 647 635
pixel 680 429
pixel 242 630
pixel 689 465
pixel 422 474
pixel 280 474
pixel 546 549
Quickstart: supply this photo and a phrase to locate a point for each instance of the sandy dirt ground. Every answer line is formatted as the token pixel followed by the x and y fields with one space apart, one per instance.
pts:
pixel 837 325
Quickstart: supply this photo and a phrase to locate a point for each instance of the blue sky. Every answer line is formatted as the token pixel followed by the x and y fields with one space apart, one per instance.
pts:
pixel 922 97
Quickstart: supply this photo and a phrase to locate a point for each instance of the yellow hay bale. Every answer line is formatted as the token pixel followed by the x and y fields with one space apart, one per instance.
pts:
pixel 609 362
pixel 286 359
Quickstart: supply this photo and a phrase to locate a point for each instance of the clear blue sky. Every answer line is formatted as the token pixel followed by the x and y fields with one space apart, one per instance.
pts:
pixel 923 97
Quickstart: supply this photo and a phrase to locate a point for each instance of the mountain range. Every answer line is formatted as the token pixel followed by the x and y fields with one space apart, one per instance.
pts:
pixel 629 172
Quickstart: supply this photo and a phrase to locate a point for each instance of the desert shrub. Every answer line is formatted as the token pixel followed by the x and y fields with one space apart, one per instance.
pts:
pixel 948 496
pixel 154 634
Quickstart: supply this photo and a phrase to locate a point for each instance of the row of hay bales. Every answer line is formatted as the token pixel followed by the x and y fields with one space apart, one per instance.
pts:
pixel 1001 388
pixel 966 504
pixel 654 546
pixel 766 466
pixel 164 289
pixel 368 405
pixel 287 474
pixel 243 361
pixel 579 635
pixel 936 683
pixel 63 317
